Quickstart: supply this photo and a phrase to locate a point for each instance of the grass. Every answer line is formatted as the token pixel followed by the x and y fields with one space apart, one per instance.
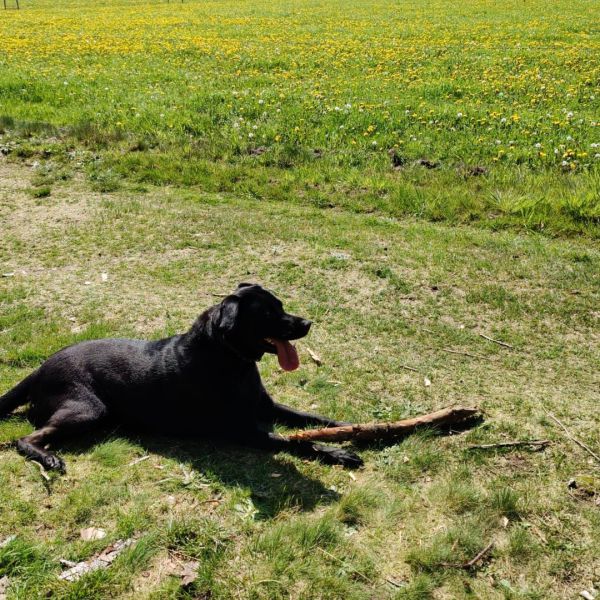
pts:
pixel 472 112
pixel 383 293
pixel 408 176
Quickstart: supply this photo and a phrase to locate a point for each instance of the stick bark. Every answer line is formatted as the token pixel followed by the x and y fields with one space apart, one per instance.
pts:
pixel 376 431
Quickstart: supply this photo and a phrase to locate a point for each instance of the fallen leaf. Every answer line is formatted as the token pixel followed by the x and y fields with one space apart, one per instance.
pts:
pixel 189 572
pixel 92 533
pixel 275 474
pixel 427 382
pixel 104 276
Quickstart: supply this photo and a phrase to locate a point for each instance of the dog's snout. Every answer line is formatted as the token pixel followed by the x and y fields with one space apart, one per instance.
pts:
pixel 305 325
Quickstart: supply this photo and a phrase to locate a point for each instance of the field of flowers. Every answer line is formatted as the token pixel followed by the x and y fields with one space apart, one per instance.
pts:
pixel 472 110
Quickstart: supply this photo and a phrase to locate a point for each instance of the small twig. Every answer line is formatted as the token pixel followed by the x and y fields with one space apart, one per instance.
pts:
pixel 571 437
pixel 462 353
pixel 314 356
pixel 542 443
pixel 394 583
pixel 42 470
pixel 409 368
pixel 485 337
pixel 472 562
pixel 165 479
pixel 138 460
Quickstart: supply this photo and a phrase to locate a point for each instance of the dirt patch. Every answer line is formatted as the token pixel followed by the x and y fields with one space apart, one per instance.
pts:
pixel 26 216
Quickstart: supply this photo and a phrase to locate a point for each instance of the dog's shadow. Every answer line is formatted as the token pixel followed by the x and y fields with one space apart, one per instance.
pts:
pixel 273 482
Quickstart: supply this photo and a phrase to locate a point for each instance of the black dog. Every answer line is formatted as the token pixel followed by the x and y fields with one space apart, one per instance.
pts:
pixel 203 383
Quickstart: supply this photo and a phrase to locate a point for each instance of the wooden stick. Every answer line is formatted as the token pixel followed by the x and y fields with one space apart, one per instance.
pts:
pixel 472 562
pixel 374 431
pixel 571 437
pixel 485 337
pixel 542 443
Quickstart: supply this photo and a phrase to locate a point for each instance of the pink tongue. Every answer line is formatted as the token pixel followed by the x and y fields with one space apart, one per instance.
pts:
pixel 287 355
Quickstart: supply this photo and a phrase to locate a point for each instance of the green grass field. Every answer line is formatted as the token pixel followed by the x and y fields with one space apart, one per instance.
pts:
pixel 153 155
pixel 462 111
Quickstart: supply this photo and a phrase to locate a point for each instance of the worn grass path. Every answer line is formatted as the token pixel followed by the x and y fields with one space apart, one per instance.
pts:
pixel 384 294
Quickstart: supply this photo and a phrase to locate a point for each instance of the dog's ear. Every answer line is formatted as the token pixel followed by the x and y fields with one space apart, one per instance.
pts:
pixel 243 285
pixel 228 314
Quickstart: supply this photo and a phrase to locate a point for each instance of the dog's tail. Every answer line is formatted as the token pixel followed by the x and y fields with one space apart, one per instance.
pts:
pixel 18 396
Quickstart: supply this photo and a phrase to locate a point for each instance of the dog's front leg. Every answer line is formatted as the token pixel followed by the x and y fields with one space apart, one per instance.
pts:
pixel 327 454
pixel 292 417
pixel 273 412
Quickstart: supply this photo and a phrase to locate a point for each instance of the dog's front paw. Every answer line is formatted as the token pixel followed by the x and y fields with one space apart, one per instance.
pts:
pixel 53 463
pixel 339 456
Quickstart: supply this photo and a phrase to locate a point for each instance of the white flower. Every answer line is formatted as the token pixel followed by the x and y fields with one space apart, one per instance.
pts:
pixel 255 127
pixel 569 115
pixel 250 135
pixel 597 156
pixel 503 120
pixel 498 142
pixel 538 145
pixel 594 145
pixel 459 115
pixel 261 101
pixel 348 106
pixel 373 143
pixel 564 163
pixel 569 138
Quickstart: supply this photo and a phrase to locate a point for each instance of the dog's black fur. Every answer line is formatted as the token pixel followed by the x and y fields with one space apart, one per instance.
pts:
pixel 202 383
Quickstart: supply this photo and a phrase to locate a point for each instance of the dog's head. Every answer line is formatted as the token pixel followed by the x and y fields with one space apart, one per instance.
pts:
pixel 251 321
